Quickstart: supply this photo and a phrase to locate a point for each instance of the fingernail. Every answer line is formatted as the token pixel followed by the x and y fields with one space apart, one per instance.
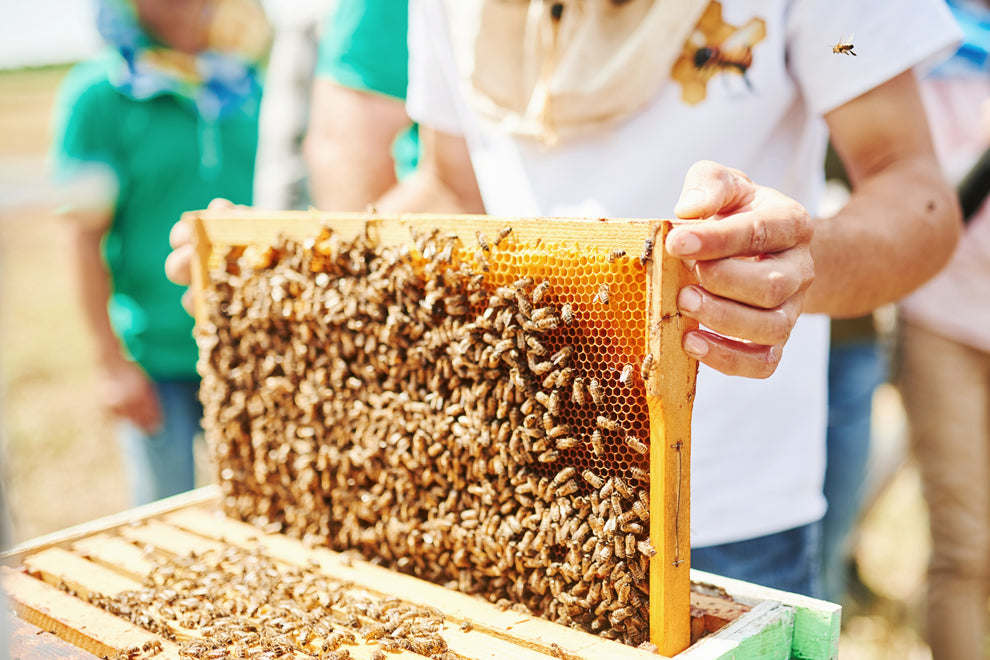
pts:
pixel 685 244
pixel 695 345
pixel 689 300
pixel 691 199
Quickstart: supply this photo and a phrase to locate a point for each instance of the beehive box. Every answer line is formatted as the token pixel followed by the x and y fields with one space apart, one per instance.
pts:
pixel 155 568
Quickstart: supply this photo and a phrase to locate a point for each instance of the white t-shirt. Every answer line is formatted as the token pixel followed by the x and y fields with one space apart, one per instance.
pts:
pixel 758 447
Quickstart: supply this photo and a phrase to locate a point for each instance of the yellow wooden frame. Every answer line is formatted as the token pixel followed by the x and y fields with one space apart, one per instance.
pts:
pixel 670 388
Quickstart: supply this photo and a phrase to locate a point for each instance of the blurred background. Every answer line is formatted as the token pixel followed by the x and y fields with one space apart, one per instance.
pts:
pixel 60 462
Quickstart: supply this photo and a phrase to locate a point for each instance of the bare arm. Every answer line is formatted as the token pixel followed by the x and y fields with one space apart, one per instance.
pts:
pixel 764 261
pixel 128 392
pixel 901 223
pixel 444 181
pixel 348 145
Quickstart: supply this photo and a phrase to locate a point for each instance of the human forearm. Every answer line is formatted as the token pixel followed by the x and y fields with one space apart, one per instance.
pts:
pixel 444 182
pixel 348 145
pixel 93 282
pixel 898 230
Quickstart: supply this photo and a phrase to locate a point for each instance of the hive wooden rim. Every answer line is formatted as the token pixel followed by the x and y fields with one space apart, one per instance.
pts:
pixel 670 391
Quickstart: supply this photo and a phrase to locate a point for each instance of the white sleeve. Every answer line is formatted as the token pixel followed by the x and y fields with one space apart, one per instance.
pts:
pixel 431 99
pixel 891 36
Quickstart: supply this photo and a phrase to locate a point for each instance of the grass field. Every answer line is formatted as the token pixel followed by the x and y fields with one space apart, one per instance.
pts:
pixel 60 459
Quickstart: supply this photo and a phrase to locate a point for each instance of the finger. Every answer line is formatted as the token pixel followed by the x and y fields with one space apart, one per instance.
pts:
pixel 178 265
pixel 220 203
pixel 731 319
pixel 188 303
pixel 778 225
pixel 766 282
pixel 180 234
pixel 732 357
pixel 710 189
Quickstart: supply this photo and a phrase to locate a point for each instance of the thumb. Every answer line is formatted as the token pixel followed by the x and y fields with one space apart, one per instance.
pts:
pixel 710 189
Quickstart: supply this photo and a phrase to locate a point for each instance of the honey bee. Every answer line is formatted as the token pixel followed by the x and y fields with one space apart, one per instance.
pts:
pixel 646 548
pixel 595 390
pixel 553 403
pixel 603 294
pixel 647 251
pixel 549 456
pixel 593 479
pixel 845 46
pixel 567 489
pixel 626 374
pixel 540 291
pixel 604 422
pixel 566 442
pixel 567 314
pixel 636 445
pixel 577 391
pixel 482 242
pixel 616 254
pixel 639 474
pixel 536 347
pixel 622 489
pixel 560 357
pixel 596 443
pixel 501 235
pixel 734 54
pixel 467 625
pixel 646 367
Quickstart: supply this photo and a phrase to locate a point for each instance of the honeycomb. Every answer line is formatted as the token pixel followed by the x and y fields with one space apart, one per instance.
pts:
pixel 474 415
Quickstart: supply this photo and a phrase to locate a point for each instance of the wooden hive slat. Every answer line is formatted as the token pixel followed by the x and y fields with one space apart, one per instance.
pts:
pixel 522 630
pixel 669 388
pixel 77 622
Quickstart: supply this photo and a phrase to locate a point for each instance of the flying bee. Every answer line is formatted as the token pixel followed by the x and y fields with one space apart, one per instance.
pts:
pixel 616 254
pixel 626 374
pixel 501 235
pixel 567 314
pixel 845 46
pixel 603 294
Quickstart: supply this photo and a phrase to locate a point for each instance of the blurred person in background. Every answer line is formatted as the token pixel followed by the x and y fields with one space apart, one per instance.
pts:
pixel 161 122
pixel 360 141
pixel 280 180
pixel 944 360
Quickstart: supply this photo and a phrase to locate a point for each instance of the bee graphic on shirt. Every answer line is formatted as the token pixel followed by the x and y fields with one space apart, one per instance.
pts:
pixel 734 54
pixel 844 47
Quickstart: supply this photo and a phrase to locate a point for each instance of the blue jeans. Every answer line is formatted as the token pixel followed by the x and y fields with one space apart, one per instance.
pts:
pixel 855 370
pixel 161 464
pixel 788 560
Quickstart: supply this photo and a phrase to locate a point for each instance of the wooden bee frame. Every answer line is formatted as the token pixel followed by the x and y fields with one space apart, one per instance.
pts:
pixel 669 387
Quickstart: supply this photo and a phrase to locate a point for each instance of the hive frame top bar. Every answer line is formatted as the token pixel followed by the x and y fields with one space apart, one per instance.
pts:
pixel 670 390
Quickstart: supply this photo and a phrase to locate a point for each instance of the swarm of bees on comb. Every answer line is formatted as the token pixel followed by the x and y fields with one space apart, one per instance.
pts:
pixel 473 415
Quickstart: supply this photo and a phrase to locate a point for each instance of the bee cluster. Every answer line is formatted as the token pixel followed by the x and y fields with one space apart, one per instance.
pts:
pixel 237 603
pixel 469 415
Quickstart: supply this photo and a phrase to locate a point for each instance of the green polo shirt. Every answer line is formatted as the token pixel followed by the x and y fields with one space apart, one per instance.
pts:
pixel 364 47
pixel 166 160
